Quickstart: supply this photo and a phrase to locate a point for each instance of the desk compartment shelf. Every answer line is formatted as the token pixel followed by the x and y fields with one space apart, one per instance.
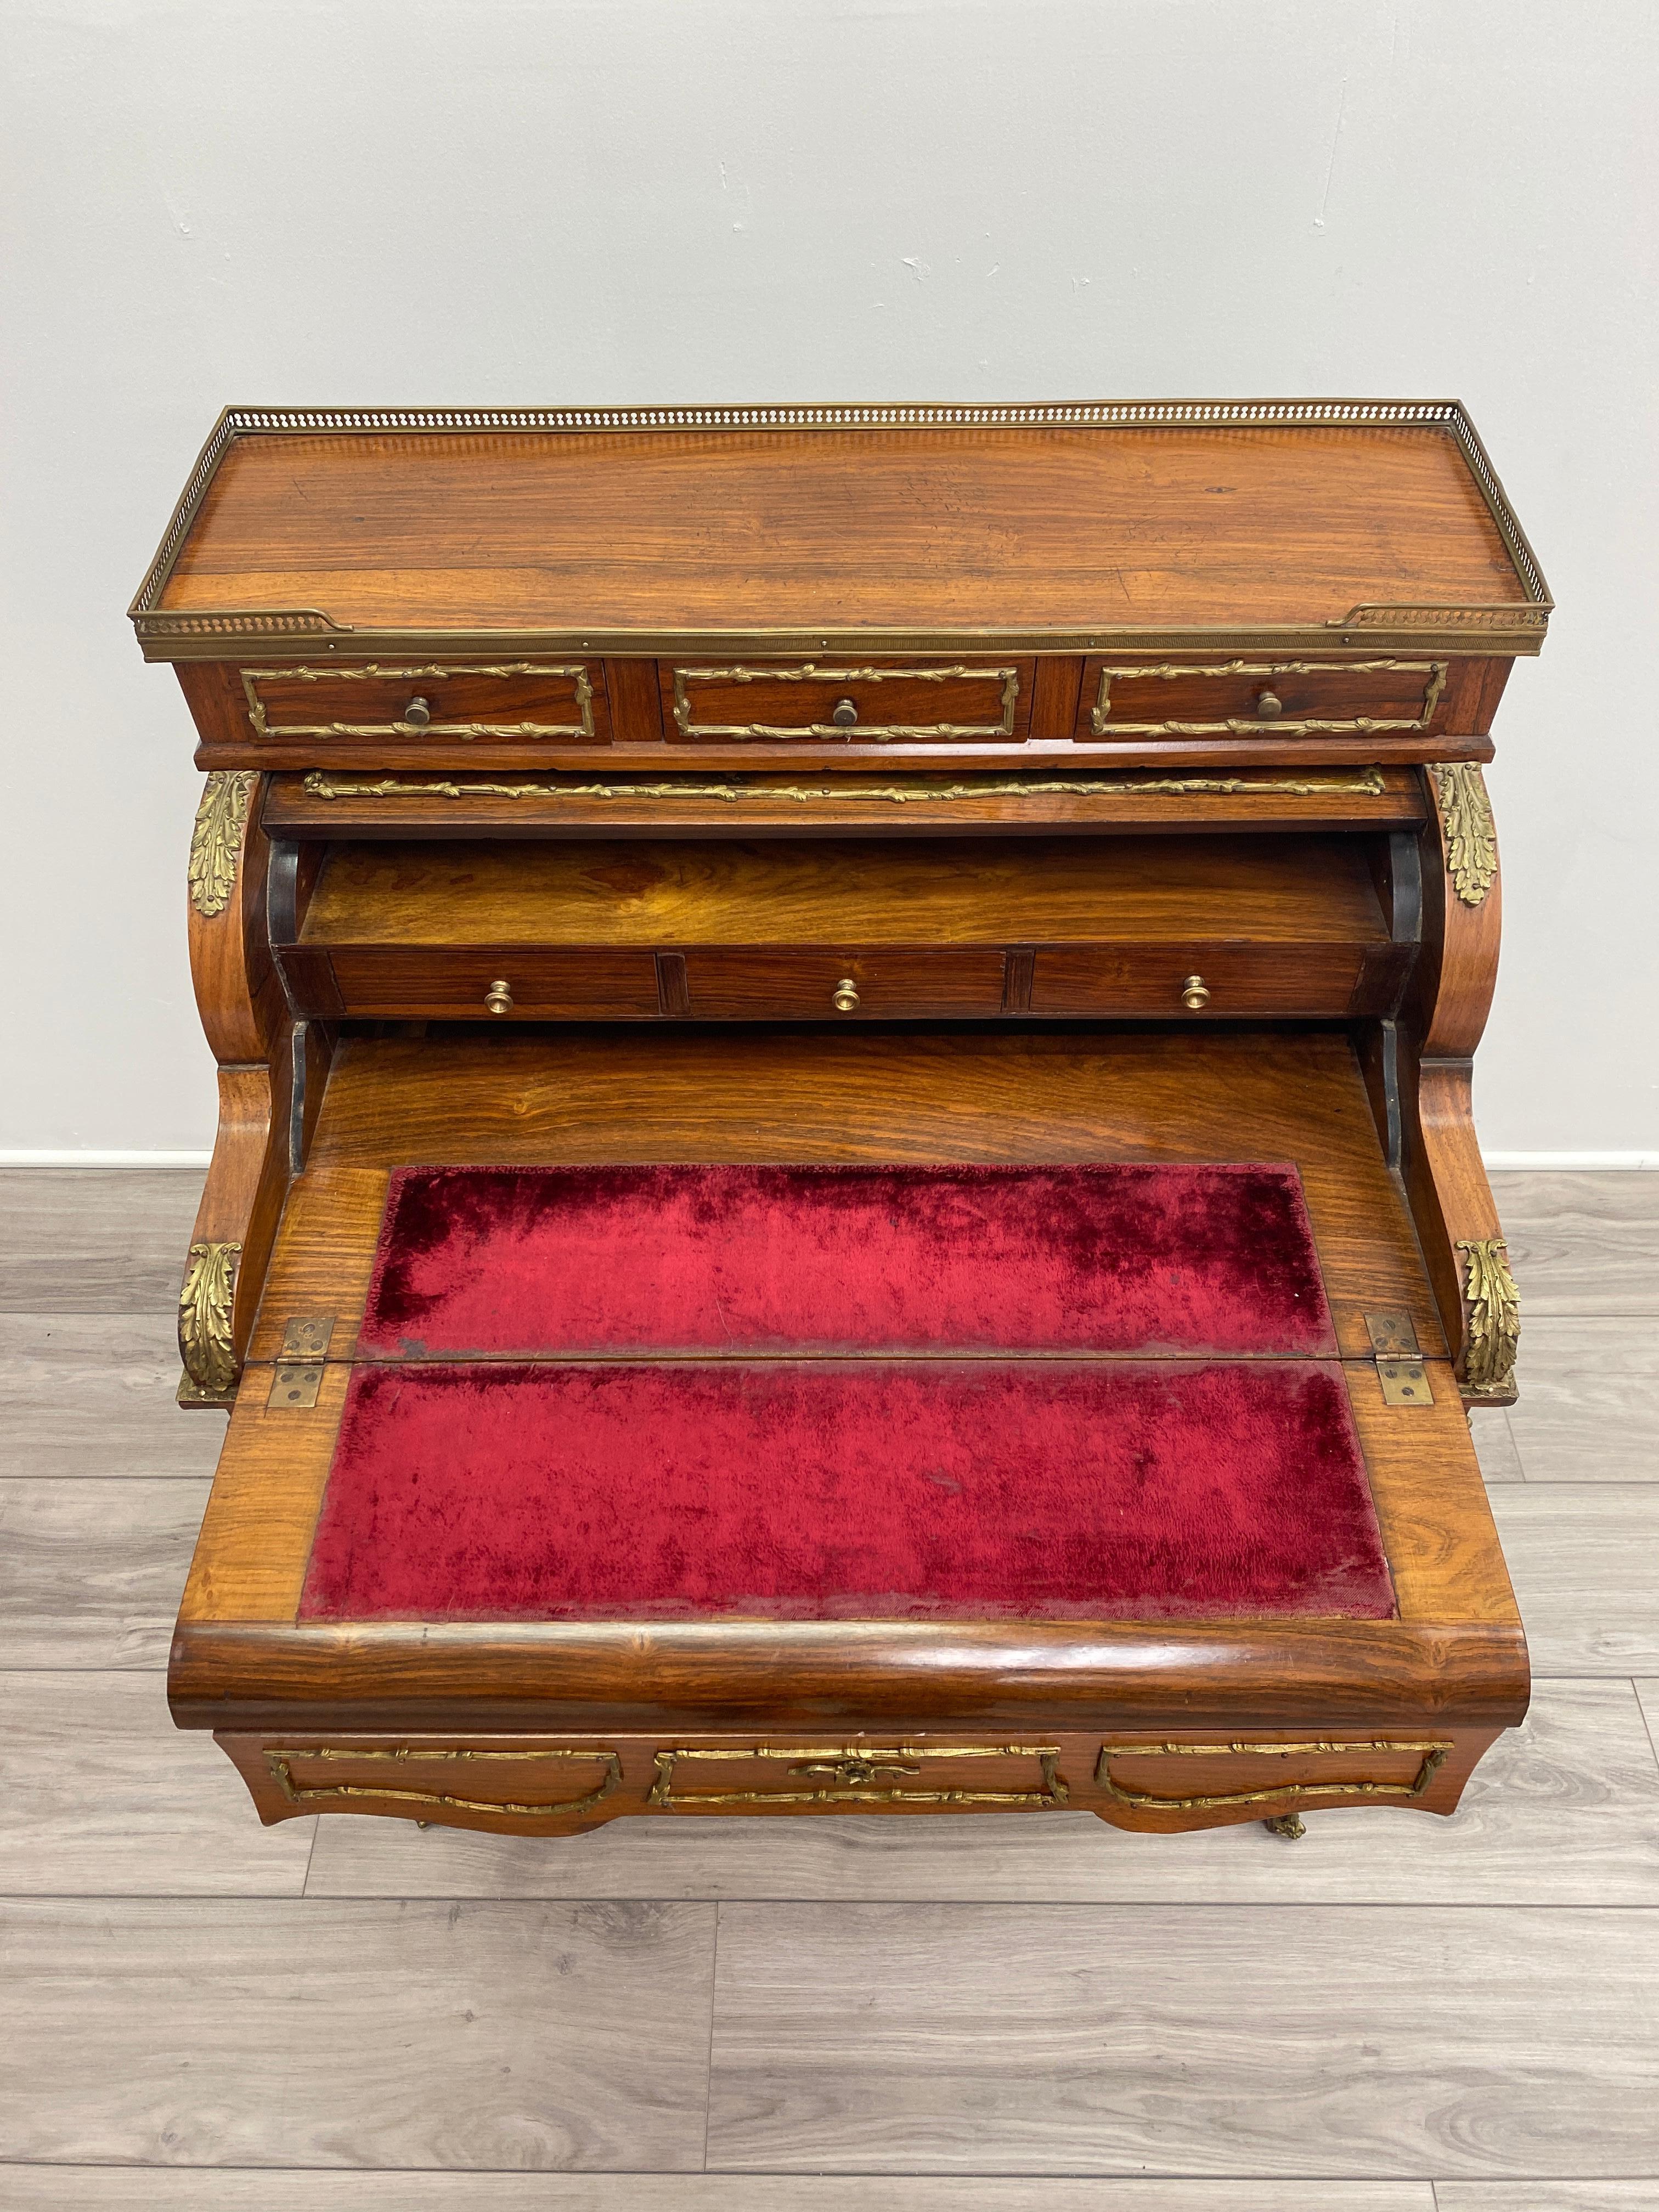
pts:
pixel 865 929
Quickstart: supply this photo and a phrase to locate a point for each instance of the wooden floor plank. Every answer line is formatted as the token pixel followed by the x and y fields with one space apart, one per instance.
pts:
pixel 1368 2042
pixel 91 1572
pixel 1547 2196
pixel 1588 1409
pixel 1582 1242
pixel 1581 1558
pixel 102 1796
pixel 1647 1692
pixel 270 2033
pixel 1494 1445
pixel 1565 1810
pixel 94 1240
pixel 94 1394
pixel 106 2189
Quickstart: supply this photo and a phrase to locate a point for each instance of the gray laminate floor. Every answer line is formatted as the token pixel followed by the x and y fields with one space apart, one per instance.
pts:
pixel 1396 2014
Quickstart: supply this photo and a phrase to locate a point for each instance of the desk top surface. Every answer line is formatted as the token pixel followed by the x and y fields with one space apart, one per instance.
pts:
pixel 638 530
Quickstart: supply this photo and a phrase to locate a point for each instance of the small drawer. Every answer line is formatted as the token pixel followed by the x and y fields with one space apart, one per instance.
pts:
pixel 765 986
pixel 513 983
pixel 545 700
pixel 822 1775
pixel 1239 698
pixel 1180 1781
pixel 1194 981
pixel 458 1784
pixel 918 703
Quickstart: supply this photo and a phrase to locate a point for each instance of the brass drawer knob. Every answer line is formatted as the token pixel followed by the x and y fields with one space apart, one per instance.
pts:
pixel 1195 993
pixel 418 714
pixel 847 996
pixel 498 998
pixel 1269 705
pixel 844 713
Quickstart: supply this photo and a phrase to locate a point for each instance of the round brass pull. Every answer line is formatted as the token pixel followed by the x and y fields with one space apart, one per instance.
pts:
pixel 1195 993
pixel 418 714
pixel 846 1001
pixel 1269 705
pixel 498 998
pixel 844 713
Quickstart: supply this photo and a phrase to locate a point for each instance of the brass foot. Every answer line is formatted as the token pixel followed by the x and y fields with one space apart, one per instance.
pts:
pixel 1291 1826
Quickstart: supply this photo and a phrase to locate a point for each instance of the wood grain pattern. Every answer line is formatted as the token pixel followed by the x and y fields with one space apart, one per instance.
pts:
pixel 965 891
pixel 1589 1410
pixel 1494 1445
pixel 91 1571
pixel 1313 2041
pixel 948 529
pixel 1585 1244
pixel 1533 2196
pixel 889 986
pixel 398 983
pixel 1581 1558
pixel 93 1240
pixel 526 2036
pixel 178 2189
pixel 103 1796
pixel 92 1395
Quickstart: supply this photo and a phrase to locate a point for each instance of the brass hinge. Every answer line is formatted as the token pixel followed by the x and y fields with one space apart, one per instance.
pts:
pixel 1400 1368
pixel 298 1375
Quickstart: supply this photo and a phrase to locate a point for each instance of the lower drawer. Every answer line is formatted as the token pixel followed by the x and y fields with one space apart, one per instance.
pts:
pixel 828 985
pixel 433 1780
pixel 506 983
pixel 1199 979
pixel 528 1784
pixel 1182 1784
pixel 816 1775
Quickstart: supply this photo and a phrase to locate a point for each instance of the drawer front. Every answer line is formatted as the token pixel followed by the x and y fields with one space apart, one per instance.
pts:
pixel 821 1775
pixel 439 985
pixel 841 987
pixel 944 703
pixel 545 700
pixel 458 1783
pixel 1234 698
pixel 1159 979
pixel 1243 1779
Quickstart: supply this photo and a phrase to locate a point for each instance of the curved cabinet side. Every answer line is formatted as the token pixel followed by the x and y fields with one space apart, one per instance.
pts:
pixel 1456 1216
pixel 244 1017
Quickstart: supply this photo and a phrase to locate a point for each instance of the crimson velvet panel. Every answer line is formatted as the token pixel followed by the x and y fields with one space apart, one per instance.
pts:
pixel 658 1260
pixel 824 1490
pixel 1082 1393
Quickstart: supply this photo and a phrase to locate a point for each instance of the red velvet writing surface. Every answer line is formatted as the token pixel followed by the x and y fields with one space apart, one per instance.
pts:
pixel 746 1260
pixel 979 1489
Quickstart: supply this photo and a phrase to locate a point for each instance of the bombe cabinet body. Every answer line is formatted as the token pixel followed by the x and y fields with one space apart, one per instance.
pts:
pixel 813 784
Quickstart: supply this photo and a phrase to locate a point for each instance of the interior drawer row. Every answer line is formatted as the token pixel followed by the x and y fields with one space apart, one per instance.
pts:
pixel 316 711
pixel 521 982
pixel 856 929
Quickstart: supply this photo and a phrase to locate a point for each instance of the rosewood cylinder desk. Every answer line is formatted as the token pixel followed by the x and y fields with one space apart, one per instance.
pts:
pixel 845 1178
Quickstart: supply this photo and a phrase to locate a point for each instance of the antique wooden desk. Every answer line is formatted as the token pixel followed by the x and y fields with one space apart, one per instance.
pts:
pixel 845 1177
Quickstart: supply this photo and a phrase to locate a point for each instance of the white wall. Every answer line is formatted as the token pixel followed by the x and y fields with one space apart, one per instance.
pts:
pixel 613 200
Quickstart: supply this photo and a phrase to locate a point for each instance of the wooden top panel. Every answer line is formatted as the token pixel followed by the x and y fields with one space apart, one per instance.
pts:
pixel 922 530
pixel 963 891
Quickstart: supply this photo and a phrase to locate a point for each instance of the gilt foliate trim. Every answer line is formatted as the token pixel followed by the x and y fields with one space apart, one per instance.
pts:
pixel 205 1344
pixel 215 842
pixel 1471 835
pixel 1493 1308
